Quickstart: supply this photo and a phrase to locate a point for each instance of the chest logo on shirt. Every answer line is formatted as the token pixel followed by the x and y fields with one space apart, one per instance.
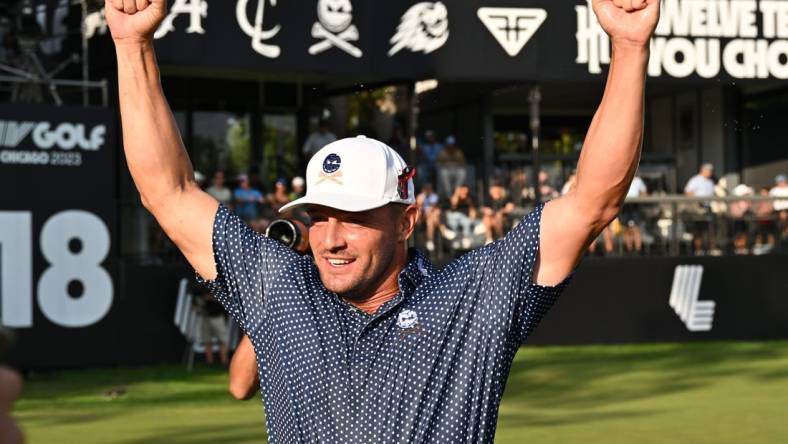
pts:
pixel 408 322
pixel 331 166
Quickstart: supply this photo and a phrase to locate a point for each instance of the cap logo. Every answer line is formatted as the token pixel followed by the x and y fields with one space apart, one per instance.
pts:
pixel 331 166
pixel 402 184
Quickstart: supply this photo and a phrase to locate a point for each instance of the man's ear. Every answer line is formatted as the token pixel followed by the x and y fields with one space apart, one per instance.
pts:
pixel 408 219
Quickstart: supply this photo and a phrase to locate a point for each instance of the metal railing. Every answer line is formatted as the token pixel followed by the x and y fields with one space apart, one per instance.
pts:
pixel 667 226
pixel 675 225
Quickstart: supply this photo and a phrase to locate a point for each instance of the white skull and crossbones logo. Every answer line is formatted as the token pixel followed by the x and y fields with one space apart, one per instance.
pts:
pixel 335 28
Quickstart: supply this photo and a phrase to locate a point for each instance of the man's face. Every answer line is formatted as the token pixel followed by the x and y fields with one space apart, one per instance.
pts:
pixel 496 192
pixel 707 172
pixel 218 179
pixel 355 252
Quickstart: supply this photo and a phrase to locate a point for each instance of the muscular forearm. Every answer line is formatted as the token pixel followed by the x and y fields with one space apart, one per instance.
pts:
pixel 154 151
pixel 612 148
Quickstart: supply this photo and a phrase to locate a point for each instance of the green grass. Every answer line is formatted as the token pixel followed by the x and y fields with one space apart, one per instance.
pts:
pixel 685 393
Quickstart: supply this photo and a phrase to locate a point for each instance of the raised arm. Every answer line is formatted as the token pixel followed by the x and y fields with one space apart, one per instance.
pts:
pixel 612 147
pixel 154 150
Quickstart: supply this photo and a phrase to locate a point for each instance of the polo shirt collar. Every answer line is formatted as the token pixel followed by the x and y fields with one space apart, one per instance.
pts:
pixel 418 268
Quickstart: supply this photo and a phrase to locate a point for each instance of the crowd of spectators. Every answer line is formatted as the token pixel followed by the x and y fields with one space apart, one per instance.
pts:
pixel 754 226
pixel 246 195
pixel 458 215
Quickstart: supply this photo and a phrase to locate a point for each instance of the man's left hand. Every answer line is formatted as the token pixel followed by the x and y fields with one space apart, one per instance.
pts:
pixel 628 22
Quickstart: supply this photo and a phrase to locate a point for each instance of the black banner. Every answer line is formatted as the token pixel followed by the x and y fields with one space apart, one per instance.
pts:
pixel 609 301
pixel 629 300
pixel 58 265
pixel 51 153
pixel 468 40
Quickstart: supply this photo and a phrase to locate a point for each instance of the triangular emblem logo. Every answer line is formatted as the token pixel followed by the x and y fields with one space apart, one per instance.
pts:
pixel 512 27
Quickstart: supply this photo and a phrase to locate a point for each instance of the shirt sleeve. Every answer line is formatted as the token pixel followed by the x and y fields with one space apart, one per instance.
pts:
pixel 246 262
pixel 692 186
pixel 515 302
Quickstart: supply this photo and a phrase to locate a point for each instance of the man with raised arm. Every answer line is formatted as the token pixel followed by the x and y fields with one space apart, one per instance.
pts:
pixel 367 342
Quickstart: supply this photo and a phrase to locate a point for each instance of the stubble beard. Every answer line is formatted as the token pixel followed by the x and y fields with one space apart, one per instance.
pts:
pixel 362 287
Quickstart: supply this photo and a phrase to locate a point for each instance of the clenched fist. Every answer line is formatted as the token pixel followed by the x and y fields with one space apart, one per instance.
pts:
pixel 628 21
pixel 134 20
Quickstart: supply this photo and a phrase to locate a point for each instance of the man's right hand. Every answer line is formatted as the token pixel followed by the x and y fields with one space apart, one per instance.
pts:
pixel 134 20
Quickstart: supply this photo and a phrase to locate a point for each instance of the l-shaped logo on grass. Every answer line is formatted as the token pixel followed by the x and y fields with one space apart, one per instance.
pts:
pixel 512 27
pixel 696 315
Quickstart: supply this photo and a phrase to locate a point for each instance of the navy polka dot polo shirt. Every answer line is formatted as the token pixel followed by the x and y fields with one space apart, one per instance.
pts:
pixel 429 366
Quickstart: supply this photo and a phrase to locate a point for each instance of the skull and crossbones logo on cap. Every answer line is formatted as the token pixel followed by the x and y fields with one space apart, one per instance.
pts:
pixel 335 28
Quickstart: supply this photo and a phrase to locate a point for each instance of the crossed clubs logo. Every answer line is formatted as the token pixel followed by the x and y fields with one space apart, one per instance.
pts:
pixel 335 28
pixel 256 31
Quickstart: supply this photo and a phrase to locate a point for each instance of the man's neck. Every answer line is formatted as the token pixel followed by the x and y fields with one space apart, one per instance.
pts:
pixel 387 291
pixel 370 306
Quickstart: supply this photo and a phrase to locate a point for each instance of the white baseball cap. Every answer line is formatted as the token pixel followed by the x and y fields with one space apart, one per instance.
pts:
pixel 357 174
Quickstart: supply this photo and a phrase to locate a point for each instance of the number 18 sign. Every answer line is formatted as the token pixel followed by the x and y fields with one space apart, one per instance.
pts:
pixel 58 200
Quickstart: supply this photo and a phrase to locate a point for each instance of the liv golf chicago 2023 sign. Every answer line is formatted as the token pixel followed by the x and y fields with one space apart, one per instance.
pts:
pixel 57 222
pixel 469 40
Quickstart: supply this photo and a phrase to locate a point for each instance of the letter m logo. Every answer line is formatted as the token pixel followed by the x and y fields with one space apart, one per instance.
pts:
pixel 696 315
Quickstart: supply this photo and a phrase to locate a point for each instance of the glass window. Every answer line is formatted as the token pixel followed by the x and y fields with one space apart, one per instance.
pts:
pixel 221 140
pixel 280 154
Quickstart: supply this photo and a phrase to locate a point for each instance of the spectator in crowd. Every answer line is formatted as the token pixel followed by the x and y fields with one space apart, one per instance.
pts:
pixel 219 191
pixel 280 197
pixel 429 149
pixel 452 168
pixel 399 141
pixel 255 181
pixel 247 200
pixel 214 325
pixel 546 189
pixel 739 210
pixel 518 185
pixel 297 191
pixel 721 189
pixel 701 185
pixel 10 388
pixel 318 139
pixel 764 216
pixel 781 205
pixel 461 215
pixel 631 217
pixel 428 201
pixel 495 213
pixel 297 188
